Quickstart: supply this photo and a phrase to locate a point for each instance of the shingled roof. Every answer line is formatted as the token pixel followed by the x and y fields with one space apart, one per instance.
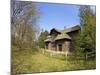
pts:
pixel 63 33
pixel 62 36
pixel 54 29
pixel 48 39
pixel 77 27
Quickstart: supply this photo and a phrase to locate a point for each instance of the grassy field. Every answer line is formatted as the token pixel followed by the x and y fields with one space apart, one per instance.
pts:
pixel 28 61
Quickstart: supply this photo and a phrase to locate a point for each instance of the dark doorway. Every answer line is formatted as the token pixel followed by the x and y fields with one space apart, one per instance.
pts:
pixel 46 46
pixel 60 47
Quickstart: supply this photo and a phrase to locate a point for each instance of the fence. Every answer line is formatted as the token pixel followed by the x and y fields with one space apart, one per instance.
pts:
pixel 69 56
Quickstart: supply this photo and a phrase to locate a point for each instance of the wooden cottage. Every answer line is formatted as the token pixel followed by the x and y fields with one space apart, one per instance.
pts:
pixel 62 40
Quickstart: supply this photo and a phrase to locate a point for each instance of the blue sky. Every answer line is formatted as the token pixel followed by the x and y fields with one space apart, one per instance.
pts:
pixel 57 15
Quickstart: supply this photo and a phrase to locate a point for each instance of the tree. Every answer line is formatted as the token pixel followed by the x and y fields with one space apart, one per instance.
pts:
pixel 87 37
pixel 41 39
pixel 24 26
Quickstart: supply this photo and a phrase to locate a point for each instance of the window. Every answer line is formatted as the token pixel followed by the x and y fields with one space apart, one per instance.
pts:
pixel 60 47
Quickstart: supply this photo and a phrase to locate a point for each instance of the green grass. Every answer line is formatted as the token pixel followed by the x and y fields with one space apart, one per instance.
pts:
pixel 28 61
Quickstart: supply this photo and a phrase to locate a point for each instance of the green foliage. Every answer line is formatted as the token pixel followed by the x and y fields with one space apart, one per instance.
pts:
pixel 41 39
pixel 87 37
pixel 24 29
pixel 21 60
pixel 24 26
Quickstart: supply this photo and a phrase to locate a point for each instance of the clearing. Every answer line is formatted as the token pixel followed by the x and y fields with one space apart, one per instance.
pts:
pixel 27 61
